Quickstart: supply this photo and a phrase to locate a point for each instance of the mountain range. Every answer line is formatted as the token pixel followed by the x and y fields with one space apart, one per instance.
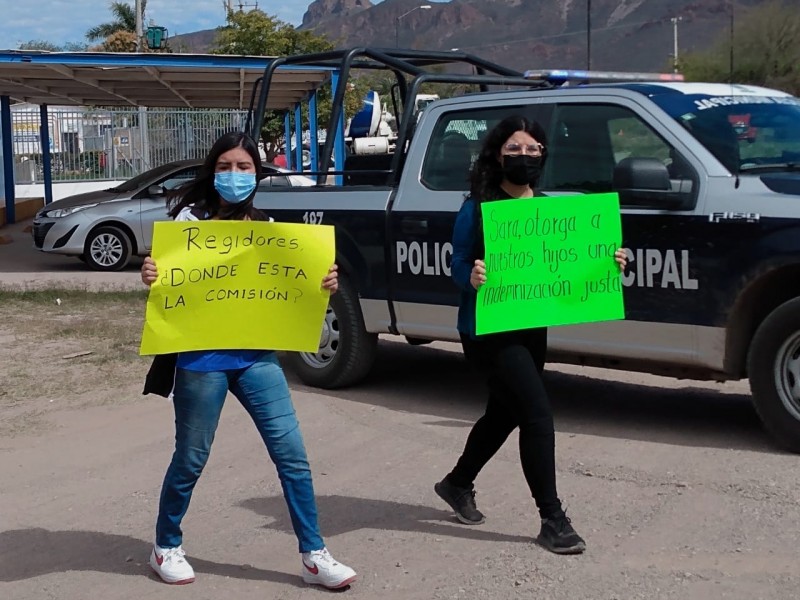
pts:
pixel 525 34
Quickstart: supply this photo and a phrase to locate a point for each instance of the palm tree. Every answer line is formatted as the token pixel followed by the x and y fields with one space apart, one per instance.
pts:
pixel 124 20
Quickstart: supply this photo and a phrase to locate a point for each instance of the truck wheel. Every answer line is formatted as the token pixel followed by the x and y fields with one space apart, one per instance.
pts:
pixel 773 366
pixel 107 249
pixel 346 350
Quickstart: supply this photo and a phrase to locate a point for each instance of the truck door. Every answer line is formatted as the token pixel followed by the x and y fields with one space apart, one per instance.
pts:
pixel 665 296
pixel 434 184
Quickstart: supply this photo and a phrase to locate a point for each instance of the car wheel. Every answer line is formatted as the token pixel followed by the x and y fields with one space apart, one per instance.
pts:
pixel 773 366
pixel 346 350
pixel 107 249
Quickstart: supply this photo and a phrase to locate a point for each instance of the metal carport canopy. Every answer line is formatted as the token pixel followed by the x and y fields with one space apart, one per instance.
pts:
pixel 152 80
pixel 136 80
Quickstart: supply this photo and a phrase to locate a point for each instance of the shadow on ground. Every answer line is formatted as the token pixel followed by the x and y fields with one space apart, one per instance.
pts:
pixel 440 383
pixel 28 553
pixel 345 514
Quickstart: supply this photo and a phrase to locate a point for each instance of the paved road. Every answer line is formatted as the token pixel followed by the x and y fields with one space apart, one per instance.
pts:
pixel 676 488
pixel 23 266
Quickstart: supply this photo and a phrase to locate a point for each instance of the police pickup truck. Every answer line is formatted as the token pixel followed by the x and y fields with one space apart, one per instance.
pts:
pixel 710 215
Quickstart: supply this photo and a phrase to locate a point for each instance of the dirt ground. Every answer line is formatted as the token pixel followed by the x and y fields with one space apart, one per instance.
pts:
pixel 676 488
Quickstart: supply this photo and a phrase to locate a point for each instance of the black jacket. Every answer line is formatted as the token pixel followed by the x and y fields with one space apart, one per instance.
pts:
pixel 160 378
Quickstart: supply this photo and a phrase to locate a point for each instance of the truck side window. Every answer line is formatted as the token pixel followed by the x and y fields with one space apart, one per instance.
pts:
pixel 455 143
pixel 588 140
pixel 632 138
pixel 450 155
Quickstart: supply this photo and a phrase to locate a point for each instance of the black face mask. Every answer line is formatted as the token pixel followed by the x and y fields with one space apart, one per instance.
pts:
pixel 523 169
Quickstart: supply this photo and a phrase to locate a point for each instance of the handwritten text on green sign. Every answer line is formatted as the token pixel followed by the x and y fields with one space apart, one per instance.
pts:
pixel 550 261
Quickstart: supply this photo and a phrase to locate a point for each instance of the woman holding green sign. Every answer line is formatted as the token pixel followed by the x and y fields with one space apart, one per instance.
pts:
pixel 508 166
pixel 224 189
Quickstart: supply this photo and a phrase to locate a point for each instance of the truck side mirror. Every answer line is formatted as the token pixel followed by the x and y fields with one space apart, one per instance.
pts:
pixel 646 182
pixel 641 174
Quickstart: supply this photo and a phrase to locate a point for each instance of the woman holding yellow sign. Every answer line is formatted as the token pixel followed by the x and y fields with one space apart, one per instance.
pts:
pixel 507 167
pixel 224 189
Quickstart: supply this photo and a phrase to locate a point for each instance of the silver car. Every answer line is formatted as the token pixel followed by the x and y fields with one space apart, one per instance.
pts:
pixel 106 228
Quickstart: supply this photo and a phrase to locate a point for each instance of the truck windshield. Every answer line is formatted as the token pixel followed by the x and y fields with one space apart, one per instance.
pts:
pixel 746 133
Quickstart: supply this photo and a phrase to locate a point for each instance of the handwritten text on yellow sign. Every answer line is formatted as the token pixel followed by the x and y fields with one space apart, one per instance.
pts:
pixel 237 285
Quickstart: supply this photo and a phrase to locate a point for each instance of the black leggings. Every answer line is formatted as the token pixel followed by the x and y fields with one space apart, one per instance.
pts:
pixel 517 398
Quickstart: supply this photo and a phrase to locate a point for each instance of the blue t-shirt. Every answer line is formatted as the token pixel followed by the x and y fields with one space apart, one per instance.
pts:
pixel 218 360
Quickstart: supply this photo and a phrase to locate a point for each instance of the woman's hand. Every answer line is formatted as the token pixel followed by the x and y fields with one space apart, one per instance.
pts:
pixel 149 271
pixel 478 275
pixel 621 256
pixel 331 281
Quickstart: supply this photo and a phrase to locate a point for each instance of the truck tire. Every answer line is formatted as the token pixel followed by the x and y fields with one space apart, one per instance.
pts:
pixel 347 350
pixel 107 248
pixel 773 366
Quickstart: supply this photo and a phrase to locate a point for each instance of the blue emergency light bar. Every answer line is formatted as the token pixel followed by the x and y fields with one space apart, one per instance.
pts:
pixel 560 76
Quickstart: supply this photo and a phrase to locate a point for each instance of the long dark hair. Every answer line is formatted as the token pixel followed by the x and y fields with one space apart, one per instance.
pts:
pixel 487 173
pixel 201 193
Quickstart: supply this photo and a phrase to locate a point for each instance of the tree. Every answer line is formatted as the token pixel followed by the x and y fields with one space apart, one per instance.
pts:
pixel 119 41
pixel 255 33
pixel 766 50
pixel 124 20
pixel 40 45
pixel 50 47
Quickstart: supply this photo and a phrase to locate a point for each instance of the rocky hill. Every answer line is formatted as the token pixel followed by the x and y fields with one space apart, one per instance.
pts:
pixel 626 34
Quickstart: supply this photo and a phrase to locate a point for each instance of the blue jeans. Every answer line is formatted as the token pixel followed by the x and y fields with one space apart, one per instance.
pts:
pixel 198 398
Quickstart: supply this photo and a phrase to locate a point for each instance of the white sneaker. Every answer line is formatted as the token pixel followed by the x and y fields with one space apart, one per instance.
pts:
pixel 320 568
pixel 171 566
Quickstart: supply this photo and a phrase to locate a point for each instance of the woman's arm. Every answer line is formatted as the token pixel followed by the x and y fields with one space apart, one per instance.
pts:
pixel 331 281
pixel 464 234
pixel 621 256
pixel 149 271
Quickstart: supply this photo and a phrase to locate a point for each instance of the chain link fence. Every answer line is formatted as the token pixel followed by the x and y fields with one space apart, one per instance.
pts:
pixel 95 144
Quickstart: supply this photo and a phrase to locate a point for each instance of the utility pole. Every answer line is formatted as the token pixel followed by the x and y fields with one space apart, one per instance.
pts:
pixel 675 21
pixel 139 24
pixel 143 128
pixel 730 58
pixel 228 4
pixel 588 34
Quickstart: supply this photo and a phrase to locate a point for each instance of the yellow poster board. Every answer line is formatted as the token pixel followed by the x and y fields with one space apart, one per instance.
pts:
pixel 237 285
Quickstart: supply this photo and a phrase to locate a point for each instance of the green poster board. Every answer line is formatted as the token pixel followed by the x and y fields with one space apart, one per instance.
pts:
pixel 550 261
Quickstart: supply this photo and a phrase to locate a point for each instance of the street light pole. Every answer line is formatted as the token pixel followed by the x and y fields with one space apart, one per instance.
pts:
pixel 397 22
pixel 675 21
pixel 588 34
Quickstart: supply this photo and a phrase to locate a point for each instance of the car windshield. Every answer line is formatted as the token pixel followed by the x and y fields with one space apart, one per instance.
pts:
pixel 747 133
pixel 143 179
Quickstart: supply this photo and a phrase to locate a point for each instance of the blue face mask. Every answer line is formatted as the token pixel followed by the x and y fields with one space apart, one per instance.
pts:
pixel 235 187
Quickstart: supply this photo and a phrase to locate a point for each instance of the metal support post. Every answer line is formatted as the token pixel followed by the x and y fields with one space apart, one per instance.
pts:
pixel 44 145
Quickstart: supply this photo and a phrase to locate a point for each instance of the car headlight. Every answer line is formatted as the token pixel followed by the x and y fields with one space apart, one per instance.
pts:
pixel 63 212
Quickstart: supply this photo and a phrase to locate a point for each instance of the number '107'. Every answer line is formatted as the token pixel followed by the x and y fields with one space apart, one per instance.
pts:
pixel 313 217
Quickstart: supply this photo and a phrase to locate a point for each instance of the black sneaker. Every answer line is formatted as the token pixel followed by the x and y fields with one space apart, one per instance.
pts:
pixel 461 500
pixel 558 535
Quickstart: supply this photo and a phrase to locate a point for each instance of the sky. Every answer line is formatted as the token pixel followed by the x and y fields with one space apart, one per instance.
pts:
pixel 64 21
